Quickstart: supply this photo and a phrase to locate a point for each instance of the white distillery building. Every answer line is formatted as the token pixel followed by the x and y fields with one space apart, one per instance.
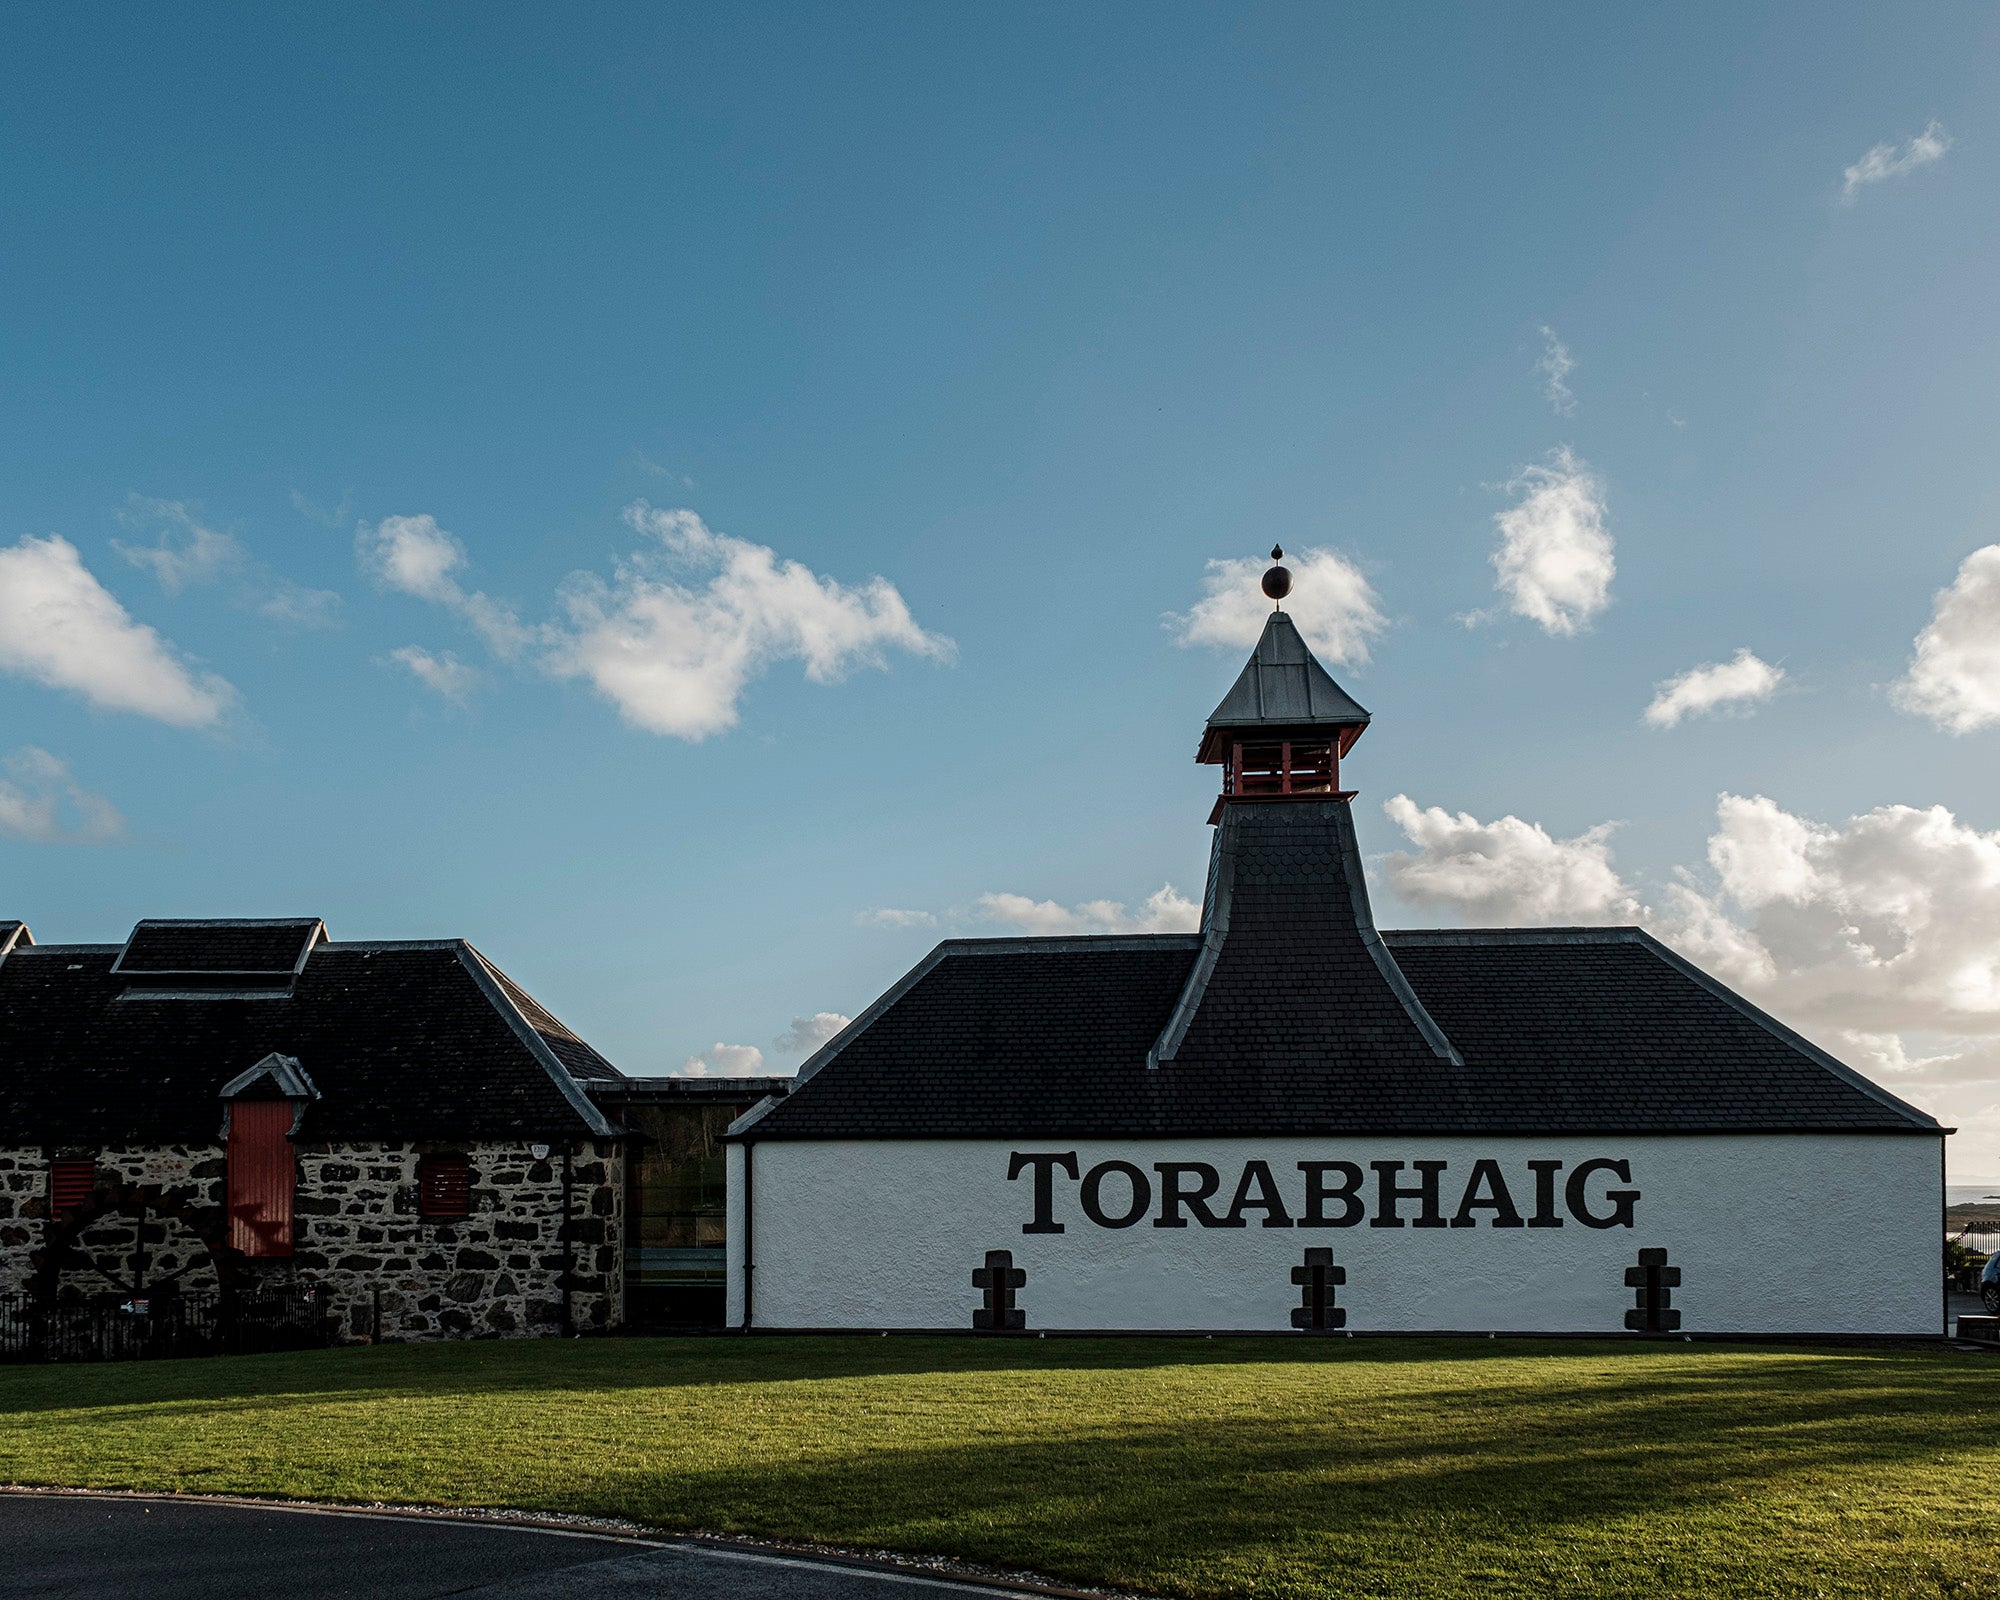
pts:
pixel 1291 1121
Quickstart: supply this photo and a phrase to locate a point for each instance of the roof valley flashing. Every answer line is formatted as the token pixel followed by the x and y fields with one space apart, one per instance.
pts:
pixel 1289 1014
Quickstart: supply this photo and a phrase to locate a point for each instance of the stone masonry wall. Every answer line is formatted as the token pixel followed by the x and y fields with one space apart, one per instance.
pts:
pixel 497 1272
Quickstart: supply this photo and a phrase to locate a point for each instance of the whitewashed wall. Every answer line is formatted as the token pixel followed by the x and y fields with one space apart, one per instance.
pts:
pixel 1784 1234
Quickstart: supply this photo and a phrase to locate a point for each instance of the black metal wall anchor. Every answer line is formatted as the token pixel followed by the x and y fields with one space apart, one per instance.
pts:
pixel 1317 1279
pixel 999 1278
pixel 1656 1282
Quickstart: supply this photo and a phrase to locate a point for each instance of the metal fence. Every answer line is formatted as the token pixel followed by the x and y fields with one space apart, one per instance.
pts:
pixel 289 1318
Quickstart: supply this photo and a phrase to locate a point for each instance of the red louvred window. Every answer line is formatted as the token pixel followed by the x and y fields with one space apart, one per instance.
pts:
pixel 261 1177
pixel 444 1187
pixel 70 1184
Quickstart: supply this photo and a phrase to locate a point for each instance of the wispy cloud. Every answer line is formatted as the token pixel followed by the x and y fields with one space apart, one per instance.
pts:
pixel 1555 367
pixel 1954 673
pixel 675 636
pixel 1892 160
pixel 298 606
pixel 1166 910
pixel 894 917
pixel 1555 562
pixel 1745 679
pixel 1333 605
pixel 59 626
pixel 337 518
pixel 188 554
pixel 443 673
pixel 41 801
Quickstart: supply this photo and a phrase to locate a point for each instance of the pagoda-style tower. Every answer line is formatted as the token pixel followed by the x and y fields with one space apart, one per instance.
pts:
pixel 1294 991
pixel 1284 725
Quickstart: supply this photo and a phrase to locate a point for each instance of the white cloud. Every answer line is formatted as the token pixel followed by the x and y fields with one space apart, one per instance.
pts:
pixel 807 1034
pixel 187 553
pixel 1332 604
pixel 61 627
pixel 293 603
pixel 894 917
pixel 1507 873
pixel 1892 160
pixel 1555 558
pixel 683 625
pixel 1555 367
pixel 336 518
pixel 41 801
pixel 1743 679
pixel 417 557
pixel 1166 910
pixel 1954 676
pixel 444 673
pixel 1879 938
pixel 675 658
pixel 721 1060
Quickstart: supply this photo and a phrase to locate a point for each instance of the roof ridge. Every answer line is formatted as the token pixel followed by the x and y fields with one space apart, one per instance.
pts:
pixel 484 973
pixel 1610 934
pixel 1798 1041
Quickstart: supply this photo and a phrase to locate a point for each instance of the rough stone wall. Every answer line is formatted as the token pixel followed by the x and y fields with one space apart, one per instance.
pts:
pixel 24 1187
pixel 497 1272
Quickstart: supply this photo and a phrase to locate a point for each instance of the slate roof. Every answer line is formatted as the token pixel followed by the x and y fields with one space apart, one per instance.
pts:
pixel 1282 685
pixel 233 946
pixel 1289 1015
pixel 404 1040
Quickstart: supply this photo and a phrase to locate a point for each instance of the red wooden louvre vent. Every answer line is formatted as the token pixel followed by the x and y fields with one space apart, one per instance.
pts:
pixel 261 1177
pixel 70 1186
pixel 444 1187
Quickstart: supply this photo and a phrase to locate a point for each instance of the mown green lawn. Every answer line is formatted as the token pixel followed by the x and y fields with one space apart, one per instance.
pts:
pixel 1181 1467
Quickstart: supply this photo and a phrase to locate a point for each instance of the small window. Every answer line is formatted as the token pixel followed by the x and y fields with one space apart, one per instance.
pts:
pixel 70 1186
pixel 444 1187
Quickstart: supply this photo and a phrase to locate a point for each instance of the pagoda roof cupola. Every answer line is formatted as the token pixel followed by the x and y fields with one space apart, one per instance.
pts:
pixel 1281 730
pixel 1282 691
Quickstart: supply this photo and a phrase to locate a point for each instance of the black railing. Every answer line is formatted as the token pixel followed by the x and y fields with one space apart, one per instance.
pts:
pixel 242 1323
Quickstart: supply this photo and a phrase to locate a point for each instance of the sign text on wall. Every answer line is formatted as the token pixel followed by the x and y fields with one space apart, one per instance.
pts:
pixel 1326 1194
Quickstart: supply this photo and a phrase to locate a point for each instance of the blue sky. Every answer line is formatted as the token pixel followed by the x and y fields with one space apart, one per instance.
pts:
pixel 1028 314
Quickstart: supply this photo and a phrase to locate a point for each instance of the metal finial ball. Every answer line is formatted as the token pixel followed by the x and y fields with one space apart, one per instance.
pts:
pixel 1277 583
pixel 1277 552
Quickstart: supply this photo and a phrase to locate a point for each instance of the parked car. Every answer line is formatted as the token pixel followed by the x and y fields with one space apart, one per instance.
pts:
pixel 1989 1284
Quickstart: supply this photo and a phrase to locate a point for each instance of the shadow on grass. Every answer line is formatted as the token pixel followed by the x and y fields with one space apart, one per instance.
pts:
pixel 589 1366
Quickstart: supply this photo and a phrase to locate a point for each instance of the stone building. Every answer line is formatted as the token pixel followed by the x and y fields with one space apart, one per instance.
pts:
pixel 235 1105
pixel 1291 1121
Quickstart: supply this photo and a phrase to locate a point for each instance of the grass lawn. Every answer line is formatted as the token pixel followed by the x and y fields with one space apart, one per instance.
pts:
pixel 1180 1467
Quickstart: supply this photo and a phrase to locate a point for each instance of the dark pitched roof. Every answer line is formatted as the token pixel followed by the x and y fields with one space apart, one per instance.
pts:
pixel 1282 685
pixel 1299 1026
pixel 572 1052
pixel 416 1040
pixel 14 935
pixel 233 947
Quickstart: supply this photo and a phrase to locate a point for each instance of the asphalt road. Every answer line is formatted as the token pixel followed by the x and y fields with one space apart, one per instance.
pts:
pixel 137 1549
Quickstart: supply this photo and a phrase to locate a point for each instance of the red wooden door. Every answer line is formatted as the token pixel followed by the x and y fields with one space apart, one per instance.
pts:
pixel 261 1177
